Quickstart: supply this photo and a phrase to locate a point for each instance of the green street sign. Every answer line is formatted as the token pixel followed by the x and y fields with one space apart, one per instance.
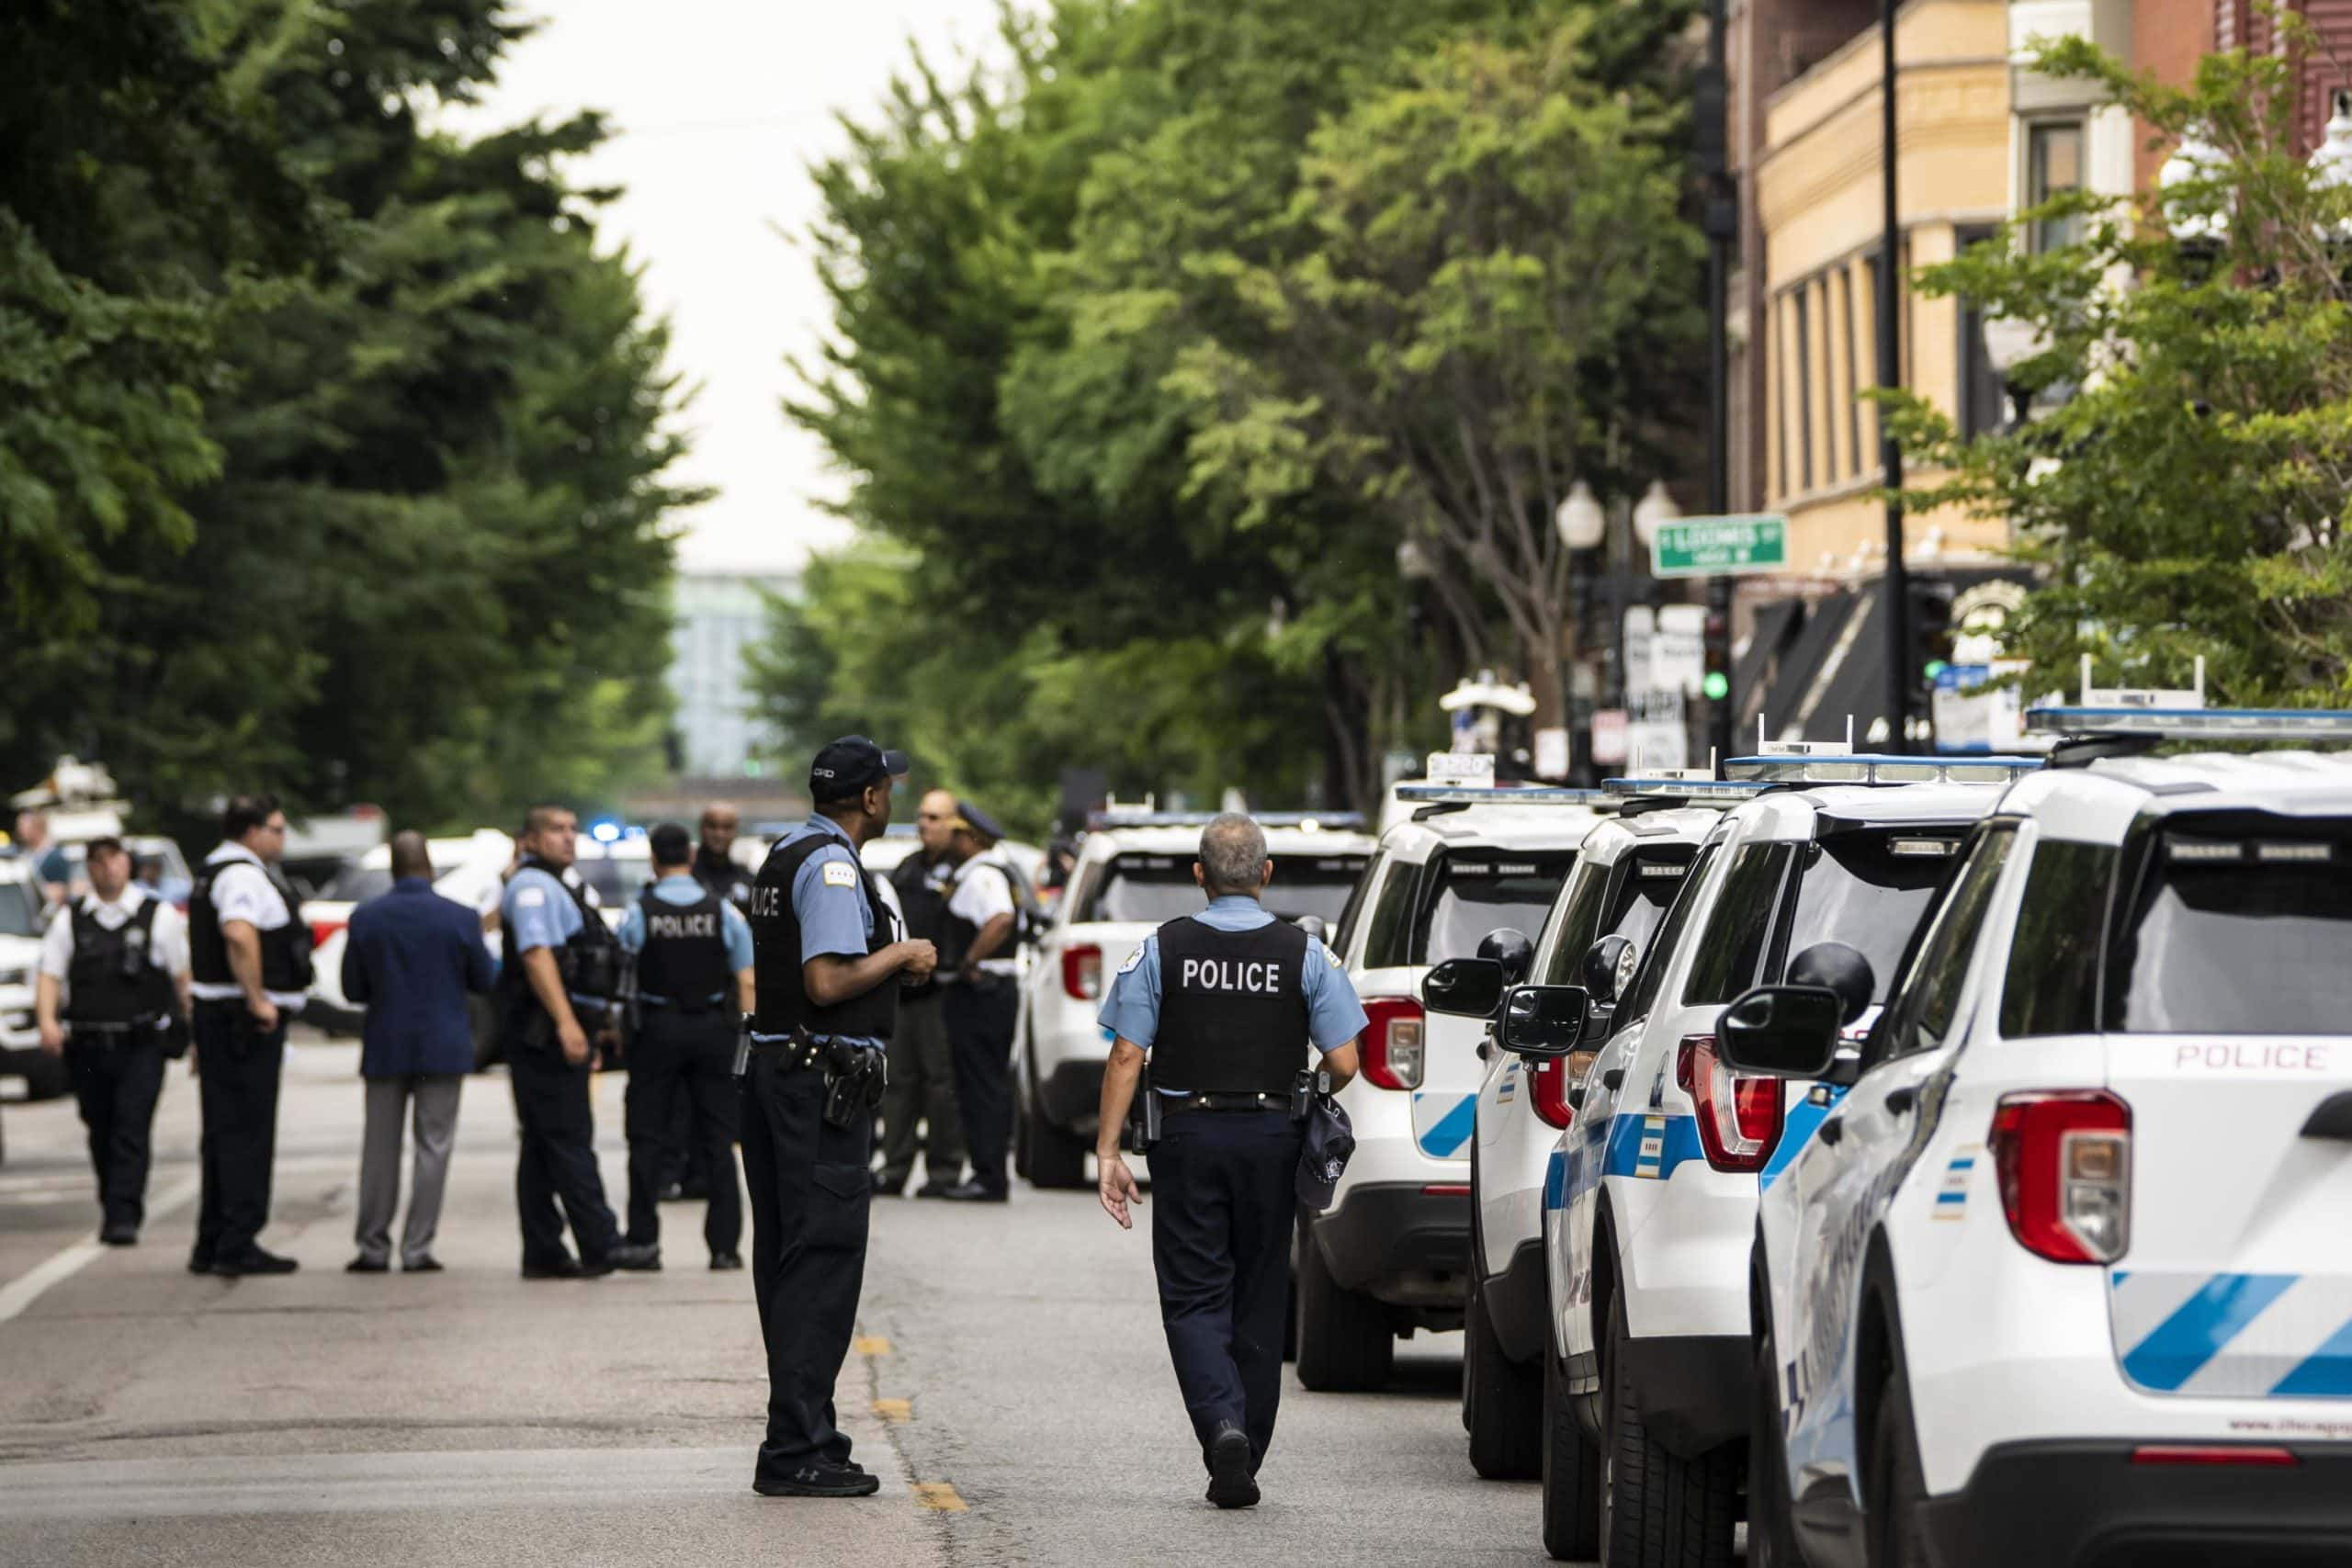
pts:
pixel 1718 547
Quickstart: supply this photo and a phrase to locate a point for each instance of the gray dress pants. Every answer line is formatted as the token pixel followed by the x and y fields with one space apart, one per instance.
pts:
pixel 434 1096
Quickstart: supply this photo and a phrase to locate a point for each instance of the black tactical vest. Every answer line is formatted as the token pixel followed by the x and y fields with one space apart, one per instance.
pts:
pixel 284 952
pixel 775 954
pixel 114 977
pixel 923 901
pixel 1232 1009
pixel 683 961
pixel 588 962
pixel 956 935
pixel 722 877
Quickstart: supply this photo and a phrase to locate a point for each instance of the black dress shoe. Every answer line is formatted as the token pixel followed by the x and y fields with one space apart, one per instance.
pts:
pixel 562 1269
pixel 119 1233
pixel 722 1262
pixel 1230 1482
pixel 200 1263
pixel 645 1259
pixel 885 1187
pixel 428 1264
pixel 935 1190
pixel 253 1260
pixel 973 1192
pixel 366 1265
pixel 818 1478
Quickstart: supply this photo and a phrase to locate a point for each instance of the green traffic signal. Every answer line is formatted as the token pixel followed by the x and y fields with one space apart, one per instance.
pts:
pixel 1716 685
pixel 1936 667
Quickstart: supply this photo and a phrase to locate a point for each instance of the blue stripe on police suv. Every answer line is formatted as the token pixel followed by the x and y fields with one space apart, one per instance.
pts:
pixel 1445 1137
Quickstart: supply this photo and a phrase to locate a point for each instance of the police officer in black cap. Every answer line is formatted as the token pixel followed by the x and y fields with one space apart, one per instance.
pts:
pixel 975 946
pixel 1227 1002
pixel 827 964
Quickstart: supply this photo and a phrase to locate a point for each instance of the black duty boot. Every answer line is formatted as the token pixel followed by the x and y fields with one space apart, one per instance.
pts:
pixel 1231 1484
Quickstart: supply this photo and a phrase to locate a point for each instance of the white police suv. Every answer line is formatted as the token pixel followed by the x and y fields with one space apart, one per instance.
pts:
pixel 2067 1277
pixel 1392 1254
pixel 1653 1202
pixel 1134 874
pixel 1626 875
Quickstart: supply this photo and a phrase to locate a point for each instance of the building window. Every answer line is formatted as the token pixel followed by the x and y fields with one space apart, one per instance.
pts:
pixel 1780 404
pixel 1854 397
pixel 2053 165
pixel 1983 399
pixel 1804 388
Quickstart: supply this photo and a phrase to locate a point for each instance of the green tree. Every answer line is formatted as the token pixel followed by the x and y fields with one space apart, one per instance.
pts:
pixel 2184 496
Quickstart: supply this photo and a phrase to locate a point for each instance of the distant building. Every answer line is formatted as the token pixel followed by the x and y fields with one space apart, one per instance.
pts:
pixel 720 617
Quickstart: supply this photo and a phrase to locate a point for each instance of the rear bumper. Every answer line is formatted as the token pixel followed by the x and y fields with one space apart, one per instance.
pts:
pixel 2085 1504
pixel 1515 1302
pixel 1384 1236
pixel 1695 1390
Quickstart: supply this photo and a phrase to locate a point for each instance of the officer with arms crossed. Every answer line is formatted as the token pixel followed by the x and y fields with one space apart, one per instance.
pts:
pixel 983 999
pixel 251 960
pixel 828 970
pixel 715 865
pixel 694 980
pixel 559 963
pixel 922 1072
pixel 1228 1001
pixel 120 959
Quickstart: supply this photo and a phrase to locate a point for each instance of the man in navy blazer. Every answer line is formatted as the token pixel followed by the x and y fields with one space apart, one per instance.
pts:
pixel 410 957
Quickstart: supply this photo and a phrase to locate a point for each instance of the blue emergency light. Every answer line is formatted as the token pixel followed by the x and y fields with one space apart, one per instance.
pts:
pixel 1305 821
pixel 2160 724
pixel 1500 795
pixel 1872 768
pixel 1656 788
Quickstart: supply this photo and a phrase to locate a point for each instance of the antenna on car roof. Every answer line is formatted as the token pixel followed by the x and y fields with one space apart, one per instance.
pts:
pixel 2126 721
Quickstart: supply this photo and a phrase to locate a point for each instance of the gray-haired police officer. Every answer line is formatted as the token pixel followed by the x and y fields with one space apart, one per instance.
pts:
pixel 827 967
pixel 1228 1000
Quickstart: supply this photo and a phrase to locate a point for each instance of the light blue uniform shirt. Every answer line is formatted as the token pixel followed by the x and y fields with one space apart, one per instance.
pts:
pixel 684 890
pixel 540 911
pixel 1334 1017
pixel 836 918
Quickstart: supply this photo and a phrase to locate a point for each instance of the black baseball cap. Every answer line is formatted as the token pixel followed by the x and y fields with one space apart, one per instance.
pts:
pixel 979 821
pixel 851 764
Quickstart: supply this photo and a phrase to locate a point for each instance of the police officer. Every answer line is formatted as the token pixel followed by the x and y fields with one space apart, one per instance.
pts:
pixel 922 1071
pixel 715 865
pixel 118 961
pixel 693 981
pixel 560 971
pixel 983 999
pixel 251 962
pixel 829 964
pixel 1227 1002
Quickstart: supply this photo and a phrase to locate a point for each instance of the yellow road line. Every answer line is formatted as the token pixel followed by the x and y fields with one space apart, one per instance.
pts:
pixel 895 1409
pixel 938 1496
pixel 870 1345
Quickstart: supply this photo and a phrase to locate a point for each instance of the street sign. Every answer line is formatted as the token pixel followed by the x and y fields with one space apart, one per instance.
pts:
pixel 1714 547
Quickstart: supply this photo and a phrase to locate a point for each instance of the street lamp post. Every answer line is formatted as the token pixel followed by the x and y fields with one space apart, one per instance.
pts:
pixel 1897 585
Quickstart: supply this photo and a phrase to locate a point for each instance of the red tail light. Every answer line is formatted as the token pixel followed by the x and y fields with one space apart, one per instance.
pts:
pixel 1082 973
pixel 1547 1091
pixel 1392 1042
pixel 2064 1163
pixel 321 930
pixel 1739 1117
pixel 2215 1453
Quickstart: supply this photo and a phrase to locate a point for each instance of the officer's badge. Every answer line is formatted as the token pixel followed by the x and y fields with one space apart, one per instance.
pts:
pixel 840 874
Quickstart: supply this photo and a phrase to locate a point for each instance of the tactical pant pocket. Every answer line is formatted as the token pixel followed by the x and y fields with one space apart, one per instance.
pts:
pixel 838 1197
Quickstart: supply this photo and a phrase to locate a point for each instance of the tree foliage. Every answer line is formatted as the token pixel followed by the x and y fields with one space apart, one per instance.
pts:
pixel 2185 496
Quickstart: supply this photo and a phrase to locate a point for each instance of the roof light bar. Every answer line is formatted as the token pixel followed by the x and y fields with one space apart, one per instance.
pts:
pixel 1870 768
pixel 1498 795
pixel 1667 784
pixel 2154 715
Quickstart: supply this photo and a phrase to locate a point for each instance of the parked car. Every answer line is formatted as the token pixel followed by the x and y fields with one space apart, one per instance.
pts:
pixel 24 914
pixel 468 871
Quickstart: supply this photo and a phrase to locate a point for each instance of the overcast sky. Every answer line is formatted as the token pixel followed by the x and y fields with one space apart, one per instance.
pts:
pixel 720 105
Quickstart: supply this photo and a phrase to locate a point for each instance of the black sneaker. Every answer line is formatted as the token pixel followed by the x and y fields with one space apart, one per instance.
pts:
pixel 1230 1482
pixel 253 1260
pixel 722 1262
pixel 977 1193
pixel 118 1233
pixel 818 1478
pixel 560 1268
pixel 636 1257
pixel 363 1264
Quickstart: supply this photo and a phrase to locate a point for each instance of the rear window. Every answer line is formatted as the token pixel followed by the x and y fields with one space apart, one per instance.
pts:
pixel 1643 889
pixel 2236 934
pixel 2052 987
pixel 1730 955
pixel 1472 892
pixel 1856 889
pixel 356 885
pixel 1151 889
pixel 615 881
pixel 19 908
pixel 1388 918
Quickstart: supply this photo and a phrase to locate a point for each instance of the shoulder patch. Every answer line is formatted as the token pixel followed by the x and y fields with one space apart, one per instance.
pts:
pixel 1329 956
pixel 530 897
pixel 1133 959
pixel 840 874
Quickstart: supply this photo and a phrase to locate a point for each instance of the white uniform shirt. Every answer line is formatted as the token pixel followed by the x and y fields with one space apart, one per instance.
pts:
pixel 981 898
pixel 242 891
pixel 166 938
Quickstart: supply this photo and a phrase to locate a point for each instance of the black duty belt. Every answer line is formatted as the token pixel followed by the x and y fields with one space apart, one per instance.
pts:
pixel 1206 1101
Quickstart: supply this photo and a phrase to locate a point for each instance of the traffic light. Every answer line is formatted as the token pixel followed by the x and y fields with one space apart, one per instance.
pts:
pixel 1716 682
pixel 1931 637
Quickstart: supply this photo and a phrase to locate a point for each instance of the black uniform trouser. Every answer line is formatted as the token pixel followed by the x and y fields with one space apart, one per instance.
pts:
pixel 980 1020
pixel 1225 1201
pixel 558 1162
pixel 682 1063
pixel 117 1081
pixel 237 1068
pixel 922 1091
pixel 810 1195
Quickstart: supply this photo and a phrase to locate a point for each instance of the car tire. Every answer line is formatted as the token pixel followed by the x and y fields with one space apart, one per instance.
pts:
pixel 1657 1510
pixel 1056 1159
pixel 1896 1486
pixel 1502 1401
pixel 1771 1538
pixel 1346 1344
pixel 1021 1117
pixel 1571 1473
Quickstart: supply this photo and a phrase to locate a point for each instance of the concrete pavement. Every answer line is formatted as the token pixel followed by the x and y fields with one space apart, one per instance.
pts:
pixel 1011 1387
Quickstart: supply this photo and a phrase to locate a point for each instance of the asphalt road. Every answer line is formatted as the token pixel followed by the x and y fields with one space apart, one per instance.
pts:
pixel 1010 1386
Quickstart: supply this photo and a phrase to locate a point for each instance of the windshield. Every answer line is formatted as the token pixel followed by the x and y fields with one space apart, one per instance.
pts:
pixel 1857 890
pixel 356 885
pixel 19 910
pixel 1644 893
pixel 1473 892
pixel 1152 889
pixel 2239 936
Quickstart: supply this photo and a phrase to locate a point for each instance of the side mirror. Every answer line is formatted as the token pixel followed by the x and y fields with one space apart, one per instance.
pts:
pixel 1833 965
pixel 1463 987
pixel 1608 968
pixel 1509 947
pixel 1781 1032
pixel 1313 926
pixel 1542 1021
